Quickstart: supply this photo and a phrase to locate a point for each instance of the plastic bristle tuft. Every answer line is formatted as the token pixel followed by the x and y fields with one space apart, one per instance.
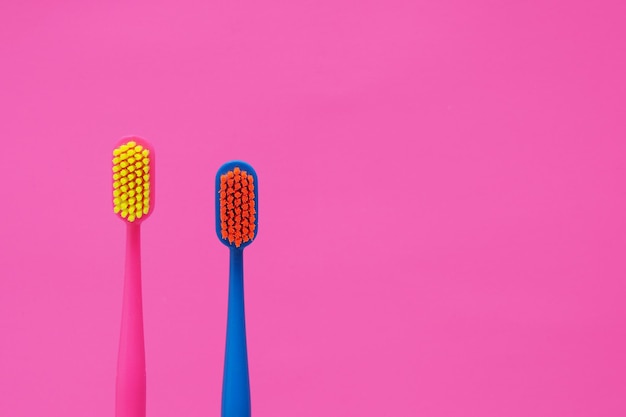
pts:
pixel 236 197
pixel 131 163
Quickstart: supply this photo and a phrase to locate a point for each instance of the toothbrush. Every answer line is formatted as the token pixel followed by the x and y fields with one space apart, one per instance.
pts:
pixel 133 201
pixel 236 224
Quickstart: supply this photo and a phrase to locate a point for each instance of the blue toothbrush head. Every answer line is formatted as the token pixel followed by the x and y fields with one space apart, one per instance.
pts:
pixel 236 204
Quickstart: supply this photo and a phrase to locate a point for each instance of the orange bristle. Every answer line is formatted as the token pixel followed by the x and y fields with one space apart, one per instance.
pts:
pixel 237 206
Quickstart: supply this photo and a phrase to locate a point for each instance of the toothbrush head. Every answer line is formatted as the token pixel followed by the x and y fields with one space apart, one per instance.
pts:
pixel 133 179
pixel 236 204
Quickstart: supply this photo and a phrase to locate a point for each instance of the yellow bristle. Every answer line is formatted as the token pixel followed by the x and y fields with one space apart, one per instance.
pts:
pixel 131 181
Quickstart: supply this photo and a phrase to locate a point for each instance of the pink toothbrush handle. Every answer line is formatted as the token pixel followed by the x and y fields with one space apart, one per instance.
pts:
pixel 130 392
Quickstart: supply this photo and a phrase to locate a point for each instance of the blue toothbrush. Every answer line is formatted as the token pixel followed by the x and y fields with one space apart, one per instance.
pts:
pixel 236 224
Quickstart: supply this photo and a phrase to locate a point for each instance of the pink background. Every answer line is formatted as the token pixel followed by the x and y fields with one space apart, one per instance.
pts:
pixel 441 220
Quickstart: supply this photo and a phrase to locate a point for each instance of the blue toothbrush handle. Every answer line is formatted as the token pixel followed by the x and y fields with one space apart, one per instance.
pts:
pixel 236 384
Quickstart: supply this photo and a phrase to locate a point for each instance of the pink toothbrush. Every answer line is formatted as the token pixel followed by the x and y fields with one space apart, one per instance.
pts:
pixel 133 201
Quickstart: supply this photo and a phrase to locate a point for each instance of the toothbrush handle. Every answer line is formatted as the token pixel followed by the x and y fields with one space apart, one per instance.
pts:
pixel 236 384
pixel 131 360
